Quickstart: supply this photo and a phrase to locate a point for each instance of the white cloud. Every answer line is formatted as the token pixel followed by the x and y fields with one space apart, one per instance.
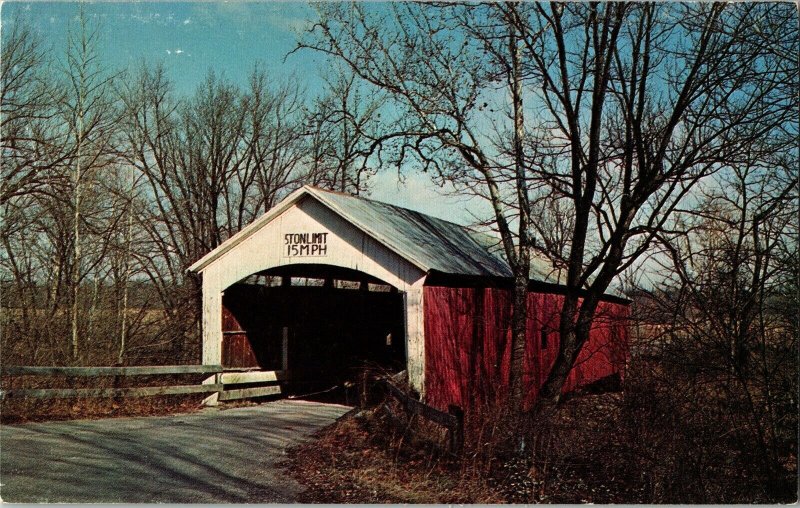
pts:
pixel 141 19
pixel 153 17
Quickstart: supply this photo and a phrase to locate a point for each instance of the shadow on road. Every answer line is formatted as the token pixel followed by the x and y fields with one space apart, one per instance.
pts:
pixel 214 456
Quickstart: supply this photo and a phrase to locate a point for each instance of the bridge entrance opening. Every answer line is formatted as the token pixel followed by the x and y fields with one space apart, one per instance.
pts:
pixel 321 325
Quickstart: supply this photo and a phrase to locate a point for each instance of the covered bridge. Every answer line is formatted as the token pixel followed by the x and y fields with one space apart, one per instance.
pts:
pixel 325 281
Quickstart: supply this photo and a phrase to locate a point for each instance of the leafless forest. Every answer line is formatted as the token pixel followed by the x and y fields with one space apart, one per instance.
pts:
pixel 113 185
pixel 648 147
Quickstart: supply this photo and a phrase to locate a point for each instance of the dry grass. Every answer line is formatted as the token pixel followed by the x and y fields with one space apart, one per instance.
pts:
pixel 365 459
pixel 37 410
pixel 662 440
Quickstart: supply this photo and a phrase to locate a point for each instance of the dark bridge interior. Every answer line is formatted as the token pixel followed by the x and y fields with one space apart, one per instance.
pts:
pixel 337 322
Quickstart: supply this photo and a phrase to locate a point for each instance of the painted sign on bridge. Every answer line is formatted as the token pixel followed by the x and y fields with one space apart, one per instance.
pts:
pixel 306 244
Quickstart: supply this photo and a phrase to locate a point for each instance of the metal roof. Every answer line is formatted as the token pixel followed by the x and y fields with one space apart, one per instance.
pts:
pixel 429 243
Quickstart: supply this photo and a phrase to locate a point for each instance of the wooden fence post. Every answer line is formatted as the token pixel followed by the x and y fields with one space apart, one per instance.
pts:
pixel 453 420
pixel 116 385
pixel 456 432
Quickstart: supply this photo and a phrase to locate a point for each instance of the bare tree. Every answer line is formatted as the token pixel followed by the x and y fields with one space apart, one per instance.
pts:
pixel 687 96
pixel 608 114
pixel 29 157
pixel 273 145
pixel 732 271
pixel 434 82
pixel 28 102
pixel 343 122
pixel 114 184
pixel 25 102
pixel 88 114
pixel 210 164
pixel 58 129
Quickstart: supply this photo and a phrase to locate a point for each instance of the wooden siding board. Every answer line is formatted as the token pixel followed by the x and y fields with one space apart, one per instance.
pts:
pixel 212 320
pixel 347 247
pixel 232 378
pixel 468 337
pixel 247 231
pixel 247 393
pixel 415 337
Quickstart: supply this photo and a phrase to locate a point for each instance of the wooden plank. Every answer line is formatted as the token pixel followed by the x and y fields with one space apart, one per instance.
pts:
pixel 237 351
pixel 415 336
pixel 395 391
pixel 416 407
pixel 232 378
pixel 430 413
pixel 52 393
pixel 111 371
pixel 246 393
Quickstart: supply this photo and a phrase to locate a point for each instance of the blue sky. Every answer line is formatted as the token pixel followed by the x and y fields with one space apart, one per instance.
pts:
pixel 191 38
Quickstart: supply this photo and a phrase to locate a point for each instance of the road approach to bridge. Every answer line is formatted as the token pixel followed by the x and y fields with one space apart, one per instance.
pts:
pixel 212 456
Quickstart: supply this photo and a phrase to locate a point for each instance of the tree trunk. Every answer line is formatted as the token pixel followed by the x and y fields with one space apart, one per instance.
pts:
pixel 126 283
pixel 576 323
pixel 519 319
pixel 345 141
pixel 76 276
pixel 519 311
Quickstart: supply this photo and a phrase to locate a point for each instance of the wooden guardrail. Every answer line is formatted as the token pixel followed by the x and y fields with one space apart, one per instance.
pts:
pixel 216 386
pixel 453 420
pixel 243 381
pixel 111 371
pixel 245 384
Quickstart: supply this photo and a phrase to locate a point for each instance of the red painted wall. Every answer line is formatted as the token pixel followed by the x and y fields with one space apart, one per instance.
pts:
pixel 237 352
pixel 468 338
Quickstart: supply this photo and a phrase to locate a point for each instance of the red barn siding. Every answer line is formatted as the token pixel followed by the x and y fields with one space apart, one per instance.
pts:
pixel 237 352
pixel 468 338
